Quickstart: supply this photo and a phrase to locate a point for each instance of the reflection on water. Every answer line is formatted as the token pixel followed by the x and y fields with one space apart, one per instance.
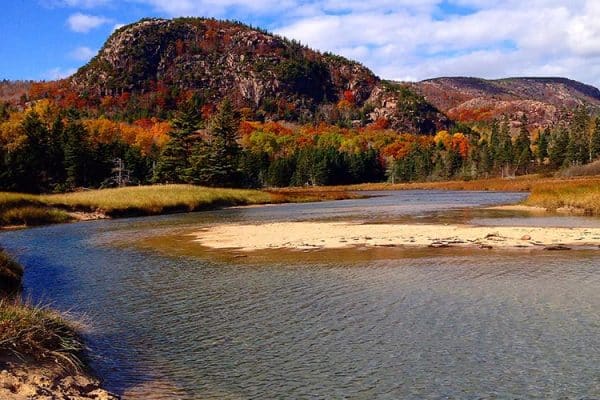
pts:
pixel 170 325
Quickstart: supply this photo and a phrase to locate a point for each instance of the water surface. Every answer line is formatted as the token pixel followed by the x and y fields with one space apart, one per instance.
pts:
pixel 169 324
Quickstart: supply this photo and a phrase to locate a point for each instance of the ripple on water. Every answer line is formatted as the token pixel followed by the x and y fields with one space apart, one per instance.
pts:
pixel 450 325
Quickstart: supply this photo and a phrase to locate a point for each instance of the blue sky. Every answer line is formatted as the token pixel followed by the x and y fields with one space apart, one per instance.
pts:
pixel 398 39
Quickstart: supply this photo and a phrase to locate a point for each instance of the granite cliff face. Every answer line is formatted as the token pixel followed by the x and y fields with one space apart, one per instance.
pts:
pixel 544 101
pixel 269 75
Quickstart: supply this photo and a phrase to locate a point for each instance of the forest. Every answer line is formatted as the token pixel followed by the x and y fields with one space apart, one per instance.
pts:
pixel 47 146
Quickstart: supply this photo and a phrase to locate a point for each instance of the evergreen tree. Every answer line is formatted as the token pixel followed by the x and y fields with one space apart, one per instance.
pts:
pixel 595 141
pixel 174 162
pixel 558 148
pixel 522 147
pixel 217 164
pixel 76 152
pixel 505 152
pixel 27 171
pixel 578 150
pixel 542 145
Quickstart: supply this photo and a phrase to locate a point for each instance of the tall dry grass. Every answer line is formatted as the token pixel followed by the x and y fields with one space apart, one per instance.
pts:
pixel 577 194
pixel 38 333
pixel 145 200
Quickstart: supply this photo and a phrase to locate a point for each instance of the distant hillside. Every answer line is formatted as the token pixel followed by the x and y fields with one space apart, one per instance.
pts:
pixel 544 101
pixel 13 90
pixel 268 75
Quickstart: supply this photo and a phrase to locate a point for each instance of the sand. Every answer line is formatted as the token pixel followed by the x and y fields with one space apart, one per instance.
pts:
pixel 336 235
pixel 24 380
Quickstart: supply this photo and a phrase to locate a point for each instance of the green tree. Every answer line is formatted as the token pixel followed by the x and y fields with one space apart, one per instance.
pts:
pixel 558 148
pixel 578 151
pixel 542 145
pixel 76 152
pixel 218 163
pixel 522 147
pixel 595 141
pixel 174 162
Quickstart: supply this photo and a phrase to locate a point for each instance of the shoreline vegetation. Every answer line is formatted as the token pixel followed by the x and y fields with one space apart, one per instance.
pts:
pixel 579 195
pixel 40 350
pixel 18 209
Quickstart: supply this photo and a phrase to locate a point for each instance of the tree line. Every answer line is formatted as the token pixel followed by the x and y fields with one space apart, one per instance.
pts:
pixel 51 149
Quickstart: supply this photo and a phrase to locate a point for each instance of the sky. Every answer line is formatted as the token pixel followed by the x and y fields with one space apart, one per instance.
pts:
pixel 397 39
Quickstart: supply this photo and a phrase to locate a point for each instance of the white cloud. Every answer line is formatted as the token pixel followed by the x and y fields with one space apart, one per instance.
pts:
pixel 82 53
pixel 415 39
pixel 84 23
pixel 58 73
pixel 76 3
pixel 499 38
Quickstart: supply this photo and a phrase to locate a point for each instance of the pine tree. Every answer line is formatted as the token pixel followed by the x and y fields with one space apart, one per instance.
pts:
pixel 558 148
pixel 595 141
pixel 174 162
pixel 505 148
pixel 522 147
pixel 578 151
pixel 217 164
pixel 75 153
pixel 542 145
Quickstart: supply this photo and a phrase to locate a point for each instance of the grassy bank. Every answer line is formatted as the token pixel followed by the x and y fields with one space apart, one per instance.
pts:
pixel 150 200
pixel 523 183
pixel 11 274
pixel 31 210
pixel 578 195
pixel 24 209
pixel 32 332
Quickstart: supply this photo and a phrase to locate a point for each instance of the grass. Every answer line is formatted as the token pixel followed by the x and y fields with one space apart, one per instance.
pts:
pixel 11 274
pixel 38 333
pixel 576 194
pixel 518 184
pixel 30 210
pixel 158 199
pixel 33 332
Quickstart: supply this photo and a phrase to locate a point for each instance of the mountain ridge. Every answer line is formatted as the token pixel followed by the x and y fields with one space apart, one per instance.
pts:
pixel 543 100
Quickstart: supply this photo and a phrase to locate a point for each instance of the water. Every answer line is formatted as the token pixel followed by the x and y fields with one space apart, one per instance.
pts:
pixel 181 323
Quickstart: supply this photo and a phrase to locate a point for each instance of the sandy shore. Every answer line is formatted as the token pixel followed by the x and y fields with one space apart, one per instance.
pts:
pixel 335 235
pixel 24 380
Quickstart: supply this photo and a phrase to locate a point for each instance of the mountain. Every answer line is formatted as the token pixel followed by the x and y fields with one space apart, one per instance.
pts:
pixel 266 75
pixel 544 101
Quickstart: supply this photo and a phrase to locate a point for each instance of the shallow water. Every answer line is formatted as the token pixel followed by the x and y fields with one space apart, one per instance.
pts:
pixel 178 323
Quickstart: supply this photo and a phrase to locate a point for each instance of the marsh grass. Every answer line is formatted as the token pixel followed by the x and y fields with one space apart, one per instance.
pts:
pixel 158 199
pixel 577 194
pixel 33 216
pixel 36 332
pixel 11 274
pixel 30 331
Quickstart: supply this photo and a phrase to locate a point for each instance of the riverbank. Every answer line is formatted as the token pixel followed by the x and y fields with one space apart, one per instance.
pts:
pixel 576 195
pixel 17 209
pixel 336 235
pixel 40 351
pixel 572 195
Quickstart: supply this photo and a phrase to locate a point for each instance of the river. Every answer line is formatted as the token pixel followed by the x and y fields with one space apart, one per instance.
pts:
pixel 166 319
